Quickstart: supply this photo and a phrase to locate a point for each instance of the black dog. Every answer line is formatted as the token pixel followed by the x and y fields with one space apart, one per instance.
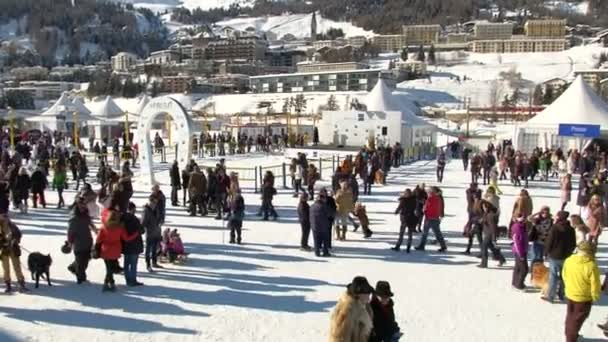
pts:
pixel 40 265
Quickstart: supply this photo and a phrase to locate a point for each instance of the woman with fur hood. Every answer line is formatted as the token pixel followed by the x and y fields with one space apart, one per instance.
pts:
pixel 351 320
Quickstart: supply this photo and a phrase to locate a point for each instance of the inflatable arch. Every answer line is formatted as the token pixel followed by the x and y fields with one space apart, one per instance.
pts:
pixel 181 136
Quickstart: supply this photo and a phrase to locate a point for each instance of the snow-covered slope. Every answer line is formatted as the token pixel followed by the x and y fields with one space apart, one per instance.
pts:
pixel 295 24
pixel 162 5
pixel 482 71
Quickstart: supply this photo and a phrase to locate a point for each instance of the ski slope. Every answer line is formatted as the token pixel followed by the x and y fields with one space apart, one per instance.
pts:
pixel 268 290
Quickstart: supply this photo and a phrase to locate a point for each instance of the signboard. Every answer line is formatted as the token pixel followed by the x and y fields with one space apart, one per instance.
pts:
pixel 581 131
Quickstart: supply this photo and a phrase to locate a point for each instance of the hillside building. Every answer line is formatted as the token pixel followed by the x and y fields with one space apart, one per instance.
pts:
pixel 349 80
pixel 389 43
pixel 593 77
pixel 493 31
pixel 123 61
pixel 421 34
pixel 545 28
pixel 316 67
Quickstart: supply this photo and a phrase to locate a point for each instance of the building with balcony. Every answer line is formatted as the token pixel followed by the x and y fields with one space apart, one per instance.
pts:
pixel 389 42
pixel 250 48
pixel 545 28
pixel 164 57
pixel 123 61
pixel 357 41
pixel 493 31
pixel 176 84
pixel 316 67
pixel 421 34
pixel 349 80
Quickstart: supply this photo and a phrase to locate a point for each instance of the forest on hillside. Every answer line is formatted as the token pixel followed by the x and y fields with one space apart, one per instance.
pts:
pixel 53 24
pixel 387 16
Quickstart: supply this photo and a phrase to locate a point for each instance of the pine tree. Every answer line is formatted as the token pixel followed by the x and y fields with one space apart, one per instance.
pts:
pixel 537 97
pixel 548 96
pixel 515 97
pixel 404 54
pixel 506 101
pixel 421 55
pixel 332 103
pixel 431 56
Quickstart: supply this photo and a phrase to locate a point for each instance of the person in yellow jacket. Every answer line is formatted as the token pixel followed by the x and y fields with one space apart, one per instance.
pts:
pixel 582 282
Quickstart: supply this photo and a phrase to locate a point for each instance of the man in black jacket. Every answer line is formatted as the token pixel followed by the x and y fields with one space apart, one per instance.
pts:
pixel 132 249
pixel 320 225
pixel 175 183
pixel 304 217
pixel 559 245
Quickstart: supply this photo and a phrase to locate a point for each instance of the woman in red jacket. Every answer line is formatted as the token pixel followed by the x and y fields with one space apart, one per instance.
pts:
pixel 110 238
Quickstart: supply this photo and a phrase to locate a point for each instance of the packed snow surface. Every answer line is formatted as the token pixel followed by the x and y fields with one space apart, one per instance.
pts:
pixel 268 290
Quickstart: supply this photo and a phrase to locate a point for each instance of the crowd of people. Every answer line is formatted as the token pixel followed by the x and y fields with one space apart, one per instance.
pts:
pixel 567 242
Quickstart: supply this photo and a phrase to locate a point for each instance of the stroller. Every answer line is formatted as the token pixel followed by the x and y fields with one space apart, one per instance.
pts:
pixel 172 248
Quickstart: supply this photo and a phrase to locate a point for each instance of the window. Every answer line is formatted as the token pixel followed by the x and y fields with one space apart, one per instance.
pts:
pixel 360 117
pixel 384 130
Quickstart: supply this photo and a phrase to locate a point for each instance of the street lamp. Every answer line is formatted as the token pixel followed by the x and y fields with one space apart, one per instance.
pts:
pixel 12 126
pixel 76 142
pixel 127 128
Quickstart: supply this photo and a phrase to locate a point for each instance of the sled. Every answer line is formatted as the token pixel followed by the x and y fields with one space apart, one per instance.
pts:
pixel 179 260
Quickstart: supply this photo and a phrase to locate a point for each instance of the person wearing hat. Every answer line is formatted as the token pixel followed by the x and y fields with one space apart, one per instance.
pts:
pixel 80 238
pixel 386 328
pixel 351 319
pixel 559 245
pixel 582 279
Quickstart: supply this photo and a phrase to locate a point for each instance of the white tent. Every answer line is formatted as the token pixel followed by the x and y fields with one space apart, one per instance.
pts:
pixel 579 104
pixel 79 105
pixel 380 98
pixel 108 109
pixel 61 112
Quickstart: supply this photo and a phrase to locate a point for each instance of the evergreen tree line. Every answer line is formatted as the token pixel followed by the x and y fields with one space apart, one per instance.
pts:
pixel 111 25
pixel 109 84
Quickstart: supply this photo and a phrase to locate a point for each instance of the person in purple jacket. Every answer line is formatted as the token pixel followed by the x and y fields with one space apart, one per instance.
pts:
pixel 520 253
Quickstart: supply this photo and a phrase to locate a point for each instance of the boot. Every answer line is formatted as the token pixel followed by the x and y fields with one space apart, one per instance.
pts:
pixel 22 287
pixel 112 287
pixel 105 288
pixel 8 287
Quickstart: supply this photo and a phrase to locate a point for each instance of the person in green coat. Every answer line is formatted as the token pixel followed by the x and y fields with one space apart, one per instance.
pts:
pixel 59 182
pixel 543 165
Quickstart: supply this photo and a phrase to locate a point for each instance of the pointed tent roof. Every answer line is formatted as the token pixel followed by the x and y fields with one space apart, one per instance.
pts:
pixel 579 104
pixel 79 106
pixel 59 107
pixel 380 98
pixel 107 110
pixel 63 110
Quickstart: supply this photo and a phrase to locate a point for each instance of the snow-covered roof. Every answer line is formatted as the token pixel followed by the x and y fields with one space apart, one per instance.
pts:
pixel 107 109
pixel 579 104
pixel 380 98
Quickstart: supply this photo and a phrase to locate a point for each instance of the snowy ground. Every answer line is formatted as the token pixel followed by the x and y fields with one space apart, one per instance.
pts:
pixel 268 290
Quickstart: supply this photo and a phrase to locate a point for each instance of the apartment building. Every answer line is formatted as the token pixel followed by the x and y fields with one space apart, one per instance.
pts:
pixel 518 45
pixel 123 61
pixel 389 42
pixel 164 57
pixel 349 80
pixel 545 28
pixel 493 31
pixel 250 48
pixel 357 41
pixel 176 84
pixel 315 67
pixel 421 34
